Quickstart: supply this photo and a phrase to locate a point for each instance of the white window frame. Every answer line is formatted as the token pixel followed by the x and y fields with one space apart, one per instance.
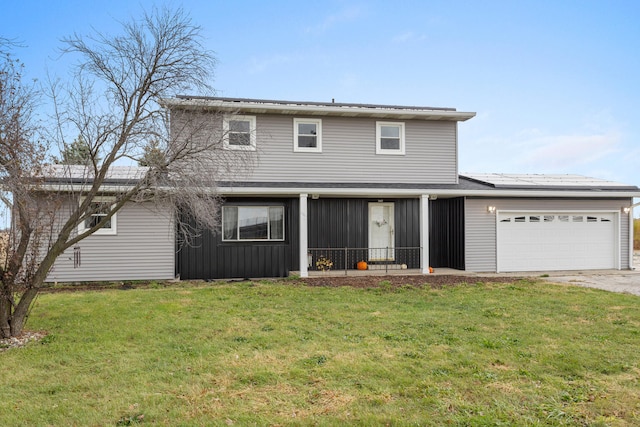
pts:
pixel 239 240
pixel 111 231
pixel 296 146
pixel 397 152
pixel 252 132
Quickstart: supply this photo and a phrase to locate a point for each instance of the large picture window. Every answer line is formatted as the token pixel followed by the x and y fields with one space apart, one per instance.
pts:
pixel 389 138
pixel 307 135
pixel 252 223
pixel 100 206
pixel 240 132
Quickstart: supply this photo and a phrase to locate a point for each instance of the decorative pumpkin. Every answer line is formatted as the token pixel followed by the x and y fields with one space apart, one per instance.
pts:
pixel 362 265
pixel 430 269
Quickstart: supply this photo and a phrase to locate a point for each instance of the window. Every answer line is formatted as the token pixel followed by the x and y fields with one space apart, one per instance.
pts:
pixel 252 223
pixel 389 138
pixel 100 207
pixel 240 132
pixel 307 135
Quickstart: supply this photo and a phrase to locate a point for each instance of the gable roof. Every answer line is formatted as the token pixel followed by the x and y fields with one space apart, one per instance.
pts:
pixel 266 106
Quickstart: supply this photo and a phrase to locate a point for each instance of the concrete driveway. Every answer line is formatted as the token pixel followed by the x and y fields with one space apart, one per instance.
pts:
pixel 625 281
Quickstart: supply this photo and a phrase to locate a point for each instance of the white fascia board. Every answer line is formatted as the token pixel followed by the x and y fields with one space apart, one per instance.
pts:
pixel 320 110
pixel 367 192
pixel 387 192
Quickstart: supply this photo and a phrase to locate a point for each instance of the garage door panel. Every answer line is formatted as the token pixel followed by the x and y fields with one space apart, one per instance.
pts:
pixel 556 241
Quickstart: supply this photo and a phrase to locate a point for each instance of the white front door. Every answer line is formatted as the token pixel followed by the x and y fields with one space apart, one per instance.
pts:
pixel 381 232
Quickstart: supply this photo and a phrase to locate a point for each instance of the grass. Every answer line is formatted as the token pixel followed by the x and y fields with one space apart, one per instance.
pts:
pixel 279 353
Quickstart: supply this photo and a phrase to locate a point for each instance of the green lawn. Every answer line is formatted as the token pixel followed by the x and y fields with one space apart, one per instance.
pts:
pixel 280 353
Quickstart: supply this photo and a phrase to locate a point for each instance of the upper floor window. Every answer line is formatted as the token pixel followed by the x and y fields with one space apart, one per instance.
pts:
pixel 389 138
pixel 100 207
pixel 307 135
pixel 252 223
pixel 240 132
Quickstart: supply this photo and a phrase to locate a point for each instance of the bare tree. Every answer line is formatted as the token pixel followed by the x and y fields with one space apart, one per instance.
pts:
pixel 114 105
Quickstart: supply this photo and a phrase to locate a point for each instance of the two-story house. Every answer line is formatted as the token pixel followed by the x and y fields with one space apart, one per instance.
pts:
pixel 340 184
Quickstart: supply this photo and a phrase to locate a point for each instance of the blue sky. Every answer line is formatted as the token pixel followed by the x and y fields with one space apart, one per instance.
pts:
pixel 555 84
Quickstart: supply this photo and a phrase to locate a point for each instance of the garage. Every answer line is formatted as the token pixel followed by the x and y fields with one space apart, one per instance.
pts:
pixel 541 241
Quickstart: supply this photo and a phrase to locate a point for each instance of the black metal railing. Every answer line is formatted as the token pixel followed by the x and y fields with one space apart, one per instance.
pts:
pixel 380 259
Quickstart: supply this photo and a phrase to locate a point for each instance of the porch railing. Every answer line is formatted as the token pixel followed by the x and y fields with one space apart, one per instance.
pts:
pixel 380 259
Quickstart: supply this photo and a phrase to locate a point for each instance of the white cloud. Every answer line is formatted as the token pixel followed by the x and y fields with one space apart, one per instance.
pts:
pixel 533 151
pixel 345 15
pixel 259 65
pixel 408 37
pixel 567 152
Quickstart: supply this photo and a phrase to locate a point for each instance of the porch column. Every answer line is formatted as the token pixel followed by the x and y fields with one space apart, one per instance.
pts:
pixel 304 243
pixel 424 233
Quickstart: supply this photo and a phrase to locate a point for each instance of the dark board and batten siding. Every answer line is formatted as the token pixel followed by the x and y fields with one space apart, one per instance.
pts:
pixel 446 233
pixel 336 223
pixel 344 223
pixel 208 257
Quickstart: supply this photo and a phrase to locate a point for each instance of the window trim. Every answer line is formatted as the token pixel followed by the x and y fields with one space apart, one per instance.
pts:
pixel 252 132
pixel 379 150
pixel 296 146
pixel 239 240
pixel 111 231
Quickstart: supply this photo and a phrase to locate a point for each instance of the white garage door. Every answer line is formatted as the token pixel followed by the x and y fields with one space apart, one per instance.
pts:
pixel 534 241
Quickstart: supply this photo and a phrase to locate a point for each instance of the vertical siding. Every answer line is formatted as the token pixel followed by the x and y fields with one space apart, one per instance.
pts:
pixel 143 249
pixel 344 223
pixel 208 257
pixel 348 152
pixel 480 226
pixel 446 233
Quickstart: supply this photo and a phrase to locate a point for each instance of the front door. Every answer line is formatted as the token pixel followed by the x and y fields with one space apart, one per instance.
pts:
pixel 381 232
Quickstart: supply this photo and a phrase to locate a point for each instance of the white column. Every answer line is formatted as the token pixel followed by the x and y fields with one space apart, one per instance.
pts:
pixel 630 219
pixel 424 233
pixel 304 243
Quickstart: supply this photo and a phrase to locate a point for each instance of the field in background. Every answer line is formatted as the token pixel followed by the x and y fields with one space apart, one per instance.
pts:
pixel 636 234
pixel 279 353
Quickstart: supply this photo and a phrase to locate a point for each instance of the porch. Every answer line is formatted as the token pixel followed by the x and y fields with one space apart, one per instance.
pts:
pixel 364 261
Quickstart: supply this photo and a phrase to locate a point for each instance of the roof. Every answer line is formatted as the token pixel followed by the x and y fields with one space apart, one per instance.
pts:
pixel 69 177
pixel 468 185
pixel 266 106
pixel 546 181
pixel 72 174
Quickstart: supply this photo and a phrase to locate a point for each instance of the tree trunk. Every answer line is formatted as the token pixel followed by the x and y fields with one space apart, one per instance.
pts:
pixel 5 314
pixel 20 314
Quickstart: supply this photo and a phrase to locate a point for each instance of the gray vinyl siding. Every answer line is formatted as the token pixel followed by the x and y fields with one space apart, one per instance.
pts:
pixel 143 249
pixel 480 225
pixel 349 152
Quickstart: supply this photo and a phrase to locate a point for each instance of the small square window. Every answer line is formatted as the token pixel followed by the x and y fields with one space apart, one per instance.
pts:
pixel 239 132
pixel 307 135
pixel 99 208
pixel 390 138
